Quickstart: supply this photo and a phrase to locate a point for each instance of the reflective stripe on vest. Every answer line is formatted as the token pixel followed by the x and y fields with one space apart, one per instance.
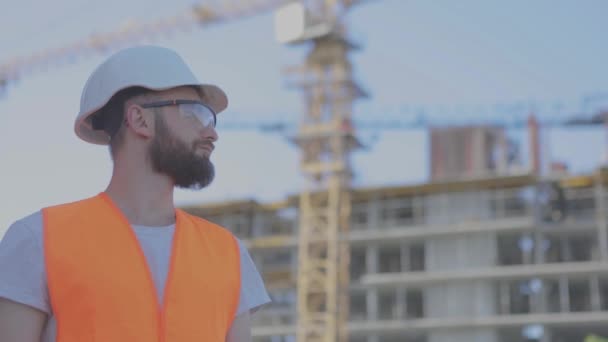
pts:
pixel 101 288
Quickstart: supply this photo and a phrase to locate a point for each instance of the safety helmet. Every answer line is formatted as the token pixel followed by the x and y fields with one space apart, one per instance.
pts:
pixel 152 67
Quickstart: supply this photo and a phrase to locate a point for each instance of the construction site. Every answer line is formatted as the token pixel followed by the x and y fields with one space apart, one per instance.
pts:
pixel 489 249
pixel 477 254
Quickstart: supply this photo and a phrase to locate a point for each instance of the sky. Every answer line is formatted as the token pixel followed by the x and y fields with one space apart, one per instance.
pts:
pixel 456 61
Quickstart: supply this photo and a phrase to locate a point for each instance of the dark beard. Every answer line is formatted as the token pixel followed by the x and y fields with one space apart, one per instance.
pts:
pixel 174 158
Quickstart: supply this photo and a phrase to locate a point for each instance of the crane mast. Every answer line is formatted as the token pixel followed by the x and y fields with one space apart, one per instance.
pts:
pixel 326 139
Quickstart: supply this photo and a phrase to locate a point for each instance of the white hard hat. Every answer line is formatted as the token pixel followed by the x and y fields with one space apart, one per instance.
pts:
pixel 152 67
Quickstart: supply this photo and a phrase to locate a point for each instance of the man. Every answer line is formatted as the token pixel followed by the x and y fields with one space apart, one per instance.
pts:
pixel 126 265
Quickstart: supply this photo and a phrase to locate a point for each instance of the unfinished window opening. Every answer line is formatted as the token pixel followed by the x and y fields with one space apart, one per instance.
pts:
pixel 397 211
pixel 389 259
pixel 405 214
pixel 553 252
pixel 387 305
pixel 553 295
pixel 357 263
pixel 414 304
pixel 515 204
pixel 520 295
pixel 509 252
pixel 241 224
pixel 358 306
pixel 604 293
pixel 275 258
pixel 579 204
pixel 582 247
pixel 359 216
pixel 580 295
pixel 416 257
pixel 283 298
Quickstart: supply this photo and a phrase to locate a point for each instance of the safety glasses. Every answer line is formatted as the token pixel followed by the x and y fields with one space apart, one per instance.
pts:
pixel 189 108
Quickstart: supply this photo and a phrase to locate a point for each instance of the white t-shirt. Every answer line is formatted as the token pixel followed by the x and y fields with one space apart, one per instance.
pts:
pixel 23 276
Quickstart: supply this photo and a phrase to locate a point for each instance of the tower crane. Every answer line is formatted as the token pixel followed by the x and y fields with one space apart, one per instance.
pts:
pixel 326 139
pixel 326 135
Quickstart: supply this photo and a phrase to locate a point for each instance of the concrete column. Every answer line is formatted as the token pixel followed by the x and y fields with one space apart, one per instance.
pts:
pixel 538 300
pixel 499 197
pixel 373 213
pixel 539 248
pixel 401 306
pixel 526 245
pixel 371 298
pixel 566 249
pixel 405 258
pixel 371 261
pixel 594 289
pixel 419 209
pixel 505 298
pixel 564 295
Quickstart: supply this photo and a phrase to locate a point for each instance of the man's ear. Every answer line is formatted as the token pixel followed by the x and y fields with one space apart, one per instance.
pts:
pixel 139 121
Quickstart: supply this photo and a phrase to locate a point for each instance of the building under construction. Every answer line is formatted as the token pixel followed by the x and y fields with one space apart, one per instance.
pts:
pixel 508 258
pixel 484 255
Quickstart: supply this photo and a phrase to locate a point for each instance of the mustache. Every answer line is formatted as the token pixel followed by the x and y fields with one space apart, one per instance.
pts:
pixel 205 144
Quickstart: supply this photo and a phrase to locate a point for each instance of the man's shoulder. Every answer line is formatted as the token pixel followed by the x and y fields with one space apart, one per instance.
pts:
pixel 202 222
pixel 31 222
pixel 208 226
pixel 25 230
pixel 71 205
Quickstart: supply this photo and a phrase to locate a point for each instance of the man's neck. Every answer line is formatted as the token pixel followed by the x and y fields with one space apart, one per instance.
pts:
pixel 144 198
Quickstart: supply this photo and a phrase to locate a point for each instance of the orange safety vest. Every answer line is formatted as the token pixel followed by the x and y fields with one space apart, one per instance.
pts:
pixel 101 289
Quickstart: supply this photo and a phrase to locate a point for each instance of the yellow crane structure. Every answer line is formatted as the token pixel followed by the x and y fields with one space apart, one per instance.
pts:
pixel 326 138
pixel 326 135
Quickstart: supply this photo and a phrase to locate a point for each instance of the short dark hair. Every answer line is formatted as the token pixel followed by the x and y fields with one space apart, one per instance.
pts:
pixel 110 117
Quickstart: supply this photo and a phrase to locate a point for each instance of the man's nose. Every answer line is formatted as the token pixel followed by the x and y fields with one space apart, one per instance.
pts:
pixel 209 133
